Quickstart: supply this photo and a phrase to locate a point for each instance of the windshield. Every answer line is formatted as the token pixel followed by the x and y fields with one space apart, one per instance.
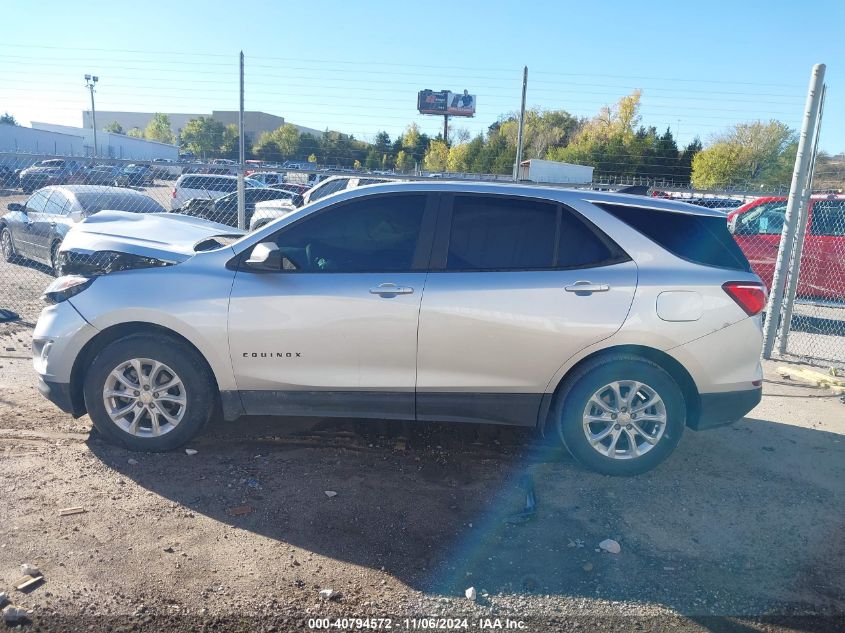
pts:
pixel 94 201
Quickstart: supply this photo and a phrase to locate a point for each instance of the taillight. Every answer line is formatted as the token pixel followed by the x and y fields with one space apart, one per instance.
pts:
pixel 749 296
pixel 173 194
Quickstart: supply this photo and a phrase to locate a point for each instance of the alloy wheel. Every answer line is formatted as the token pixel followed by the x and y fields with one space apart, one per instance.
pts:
pixel 624 419
pixel 144 397
pixel 8 251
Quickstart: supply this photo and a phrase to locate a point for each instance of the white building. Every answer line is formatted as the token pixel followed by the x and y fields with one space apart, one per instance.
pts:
pixel 26 140
pixel 111 145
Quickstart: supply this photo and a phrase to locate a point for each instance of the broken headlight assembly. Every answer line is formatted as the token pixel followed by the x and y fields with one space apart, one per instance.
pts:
pixel 105 262
pixel 65 287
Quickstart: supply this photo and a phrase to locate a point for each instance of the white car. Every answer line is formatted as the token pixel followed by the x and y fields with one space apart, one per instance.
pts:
pixel 266 212
pixel 210 186
pixel 268 178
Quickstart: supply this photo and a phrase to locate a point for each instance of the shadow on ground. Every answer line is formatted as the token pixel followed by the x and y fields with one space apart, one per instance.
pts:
pixel 741 520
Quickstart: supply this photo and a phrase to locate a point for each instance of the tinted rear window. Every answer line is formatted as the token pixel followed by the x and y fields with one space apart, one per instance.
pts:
pixel 696 238
pixel 210 184
pixel 501 233
pixel 93 202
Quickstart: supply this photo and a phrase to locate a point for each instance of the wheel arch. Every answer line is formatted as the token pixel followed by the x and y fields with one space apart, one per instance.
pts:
pixel 674 368
pixel 109 335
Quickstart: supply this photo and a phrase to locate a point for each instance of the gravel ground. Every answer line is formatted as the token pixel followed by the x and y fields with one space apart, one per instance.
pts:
pixel 741 530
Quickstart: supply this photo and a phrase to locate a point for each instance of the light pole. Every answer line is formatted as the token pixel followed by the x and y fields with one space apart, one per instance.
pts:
pixel 90 81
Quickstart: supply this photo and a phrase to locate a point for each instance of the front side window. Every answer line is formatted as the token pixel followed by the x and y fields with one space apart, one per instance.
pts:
pixel 764 219
pixel 37 202
pixel 377 234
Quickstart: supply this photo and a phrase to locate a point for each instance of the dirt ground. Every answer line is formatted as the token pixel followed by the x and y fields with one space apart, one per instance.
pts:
pixel 741 530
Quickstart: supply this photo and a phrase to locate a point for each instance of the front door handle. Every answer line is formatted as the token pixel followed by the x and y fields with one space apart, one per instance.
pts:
pixel 390 289
pixel 586 287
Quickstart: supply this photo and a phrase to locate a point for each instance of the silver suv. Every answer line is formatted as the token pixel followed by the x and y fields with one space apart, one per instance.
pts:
pixel 608 321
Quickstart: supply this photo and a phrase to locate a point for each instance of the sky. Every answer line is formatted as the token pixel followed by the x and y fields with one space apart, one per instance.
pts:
pixel 357 66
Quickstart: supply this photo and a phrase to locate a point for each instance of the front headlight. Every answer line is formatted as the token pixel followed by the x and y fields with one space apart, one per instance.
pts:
pixel 64 288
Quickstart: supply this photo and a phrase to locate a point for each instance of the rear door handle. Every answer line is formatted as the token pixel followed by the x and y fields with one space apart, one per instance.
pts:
pixel 390 289
pixel 586 287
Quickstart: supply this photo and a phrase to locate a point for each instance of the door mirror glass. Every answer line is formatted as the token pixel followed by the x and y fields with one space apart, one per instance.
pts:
pixel 265 256
pixel 16 206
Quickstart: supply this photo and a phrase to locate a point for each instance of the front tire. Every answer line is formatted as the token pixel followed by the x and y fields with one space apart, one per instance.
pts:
pixel 620 415
pixel 6 244
pixel 149 393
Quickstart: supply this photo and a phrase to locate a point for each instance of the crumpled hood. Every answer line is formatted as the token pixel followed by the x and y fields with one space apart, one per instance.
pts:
pixel 170 237
pixel 29 171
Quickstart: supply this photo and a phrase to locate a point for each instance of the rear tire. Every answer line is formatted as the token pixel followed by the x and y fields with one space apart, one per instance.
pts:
pixel 620 414
pixel 149 392
pixel 55 265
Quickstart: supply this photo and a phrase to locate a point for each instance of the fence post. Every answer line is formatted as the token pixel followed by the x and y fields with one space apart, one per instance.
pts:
pixel 803 218
pixel 241 155
pixel 796 189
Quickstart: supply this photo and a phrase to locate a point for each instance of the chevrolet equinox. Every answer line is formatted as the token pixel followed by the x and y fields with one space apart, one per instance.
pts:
pixel 609 321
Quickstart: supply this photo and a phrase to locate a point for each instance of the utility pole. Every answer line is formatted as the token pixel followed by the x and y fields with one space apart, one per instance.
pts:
pixel 446 129
pixel 241 154
pixel 521 126
pixel 90 81
pixel 797 188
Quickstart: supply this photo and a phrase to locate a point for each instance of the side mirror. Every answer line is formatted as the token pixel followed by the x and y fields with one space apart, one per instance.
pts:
pixel 16 206
pixel 76 216
pixel 732 225
pixel 265 256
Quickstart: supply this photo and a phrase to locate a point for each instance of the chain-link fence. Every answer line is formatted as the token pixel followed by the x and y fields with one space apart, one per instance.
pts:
pixel 45 196
pixel 121 159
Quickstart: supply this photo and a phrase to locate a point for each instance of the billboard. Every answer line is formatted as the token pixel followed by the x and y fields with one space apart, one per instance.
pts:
pixel 444 102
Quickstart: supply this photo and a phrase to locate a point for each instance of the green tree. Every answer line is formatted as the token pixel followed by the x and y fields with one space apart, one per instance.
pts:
pixel 684 171
pixel 266 147
pixel 230 145
pixel 135 132
pixel 747 153
pixel 403 161
pixel 203 136
pixel 372 161
pixel 457 160
pixel 282 143
pixel 7 119
pixel 158 129
pixel 114 127
pixel 436 157
pixel 613 141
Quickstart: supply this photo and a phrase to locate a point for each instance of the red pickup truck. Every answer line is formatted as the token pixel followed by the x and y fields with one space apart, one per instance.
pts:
pixel 757 226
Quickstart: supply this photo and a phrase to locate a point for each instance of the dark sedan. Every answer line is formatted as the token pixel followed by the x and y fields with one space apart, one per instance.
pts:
pixel 34 230
pixel 134 176
pixel 225 209
pixel 54 171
